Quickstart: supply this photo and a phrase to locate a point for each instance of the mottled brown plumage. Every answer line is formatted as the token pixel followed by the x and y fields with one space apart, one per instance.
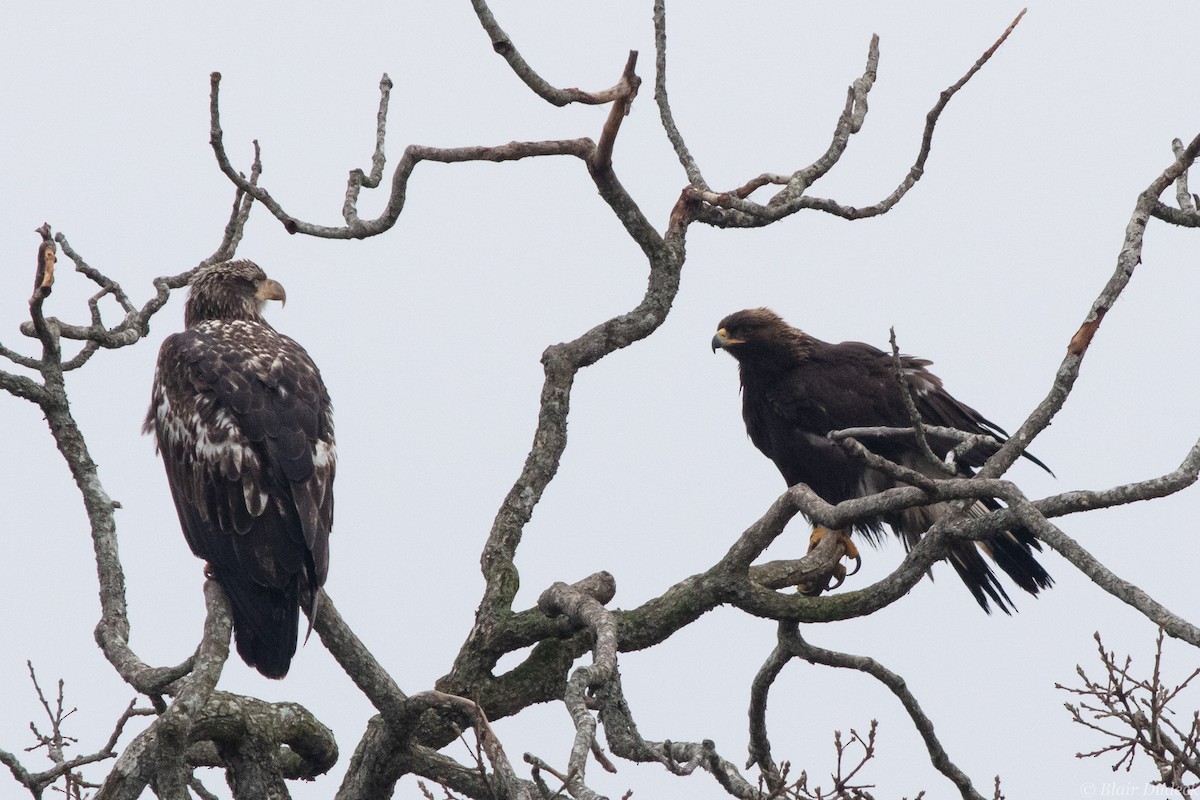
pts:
pixel 796 389
pixel 245 429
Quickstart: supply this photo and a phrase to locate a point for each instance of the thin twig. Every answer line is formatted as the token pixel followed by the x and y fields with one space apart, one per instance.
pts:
pixel 914 416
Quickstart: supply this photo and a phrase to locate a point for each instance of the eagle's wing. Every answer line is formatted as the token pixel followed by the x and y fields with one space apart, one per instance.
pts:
pixel 837 386
pixel 853 384
pixel 244 427
pixel 1011 550
pixel 938 407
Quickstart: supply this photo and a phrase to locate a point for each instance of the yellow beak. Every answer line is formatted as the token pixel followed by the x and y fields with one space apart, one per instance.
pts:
pixel 271 290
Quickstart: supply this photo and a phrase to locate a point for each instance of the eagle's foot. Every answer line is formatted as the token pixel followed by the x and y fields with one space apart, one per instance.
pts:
pixel 839 574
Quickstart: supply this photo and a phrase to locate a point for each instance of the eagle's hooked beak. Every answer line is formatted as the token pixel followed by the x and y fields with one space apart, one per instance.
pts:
pixel 271 290
pixel 722 341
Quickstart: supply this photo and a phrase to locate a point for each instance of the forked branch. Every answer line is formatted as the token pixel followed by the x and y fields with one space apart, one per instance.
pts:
pixel 734 209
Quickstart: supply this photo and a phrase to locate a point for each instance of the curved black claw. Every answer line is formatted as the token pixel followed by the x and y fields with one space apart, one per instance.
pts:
pixel 833 581
pixel 838 575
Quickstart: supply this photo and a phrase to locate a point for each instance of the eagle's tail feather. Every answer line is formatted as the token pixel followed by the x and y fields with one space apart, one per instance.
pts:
pixel 265 623
pixel 1013 553
pixel 979 577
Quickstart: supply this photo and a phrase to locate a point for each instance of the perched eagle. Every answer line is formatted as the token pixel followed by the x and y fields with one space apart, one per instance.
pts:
pixel 796 389
pixel 245 429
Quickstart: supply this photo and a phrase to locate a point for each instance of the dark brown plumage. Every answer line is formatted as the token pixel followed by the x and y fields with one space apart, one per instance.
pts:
pixel 245 429
pixel 796 389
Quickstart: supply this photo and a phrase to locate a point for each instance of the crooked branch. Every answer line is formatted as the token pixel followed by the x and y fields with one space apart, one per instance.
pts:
pixel 734 210
pixel 794 643
pixel 1068 371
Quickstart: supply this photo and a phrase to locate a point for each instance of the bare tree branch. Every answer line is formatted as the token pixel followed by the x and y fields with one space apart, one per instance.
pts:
pixel 732 209
pixel 1123 590
pixel 586 612
pixel 1141 710
pixel 602 158
pixel 1127 260
pixel 354 657
pixel 914 416
pixel 358 178
pixel 789 637
pixel 503 45
pixel 760 743
pixel 157 755
pixel 695 178
pixel 56 742
pixel 261 745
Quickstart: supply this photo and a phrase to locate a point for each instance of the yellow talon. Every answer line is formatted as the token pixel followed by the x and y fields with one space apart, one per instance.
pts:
pixel 839 575
pixel 819 533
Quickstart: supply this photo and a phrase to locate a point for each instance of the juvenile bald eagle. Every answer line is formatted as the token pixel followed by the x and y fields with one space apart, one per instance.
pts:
pixel 245 429
pixel 796 389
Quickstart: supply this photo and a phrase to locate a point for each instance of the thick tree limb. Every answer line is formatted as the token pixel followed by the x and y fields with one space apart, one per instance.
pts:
pixel 588 613
pixel 158 754
pixel 360 665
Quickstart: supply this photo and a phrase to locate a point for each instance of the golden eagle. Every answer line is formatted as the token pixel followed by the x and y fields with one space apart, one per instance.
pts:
pixel 245 429
pixel 797 389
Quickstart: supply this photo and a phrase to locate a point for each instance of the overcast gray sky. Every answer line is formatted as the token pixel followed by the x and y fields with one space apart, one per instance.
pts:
pixel 429 338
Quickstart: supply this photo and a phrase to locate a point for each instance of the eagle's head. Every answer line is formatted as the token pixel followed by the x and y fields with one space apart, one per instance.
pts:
pixel 230 290
pixel 758 335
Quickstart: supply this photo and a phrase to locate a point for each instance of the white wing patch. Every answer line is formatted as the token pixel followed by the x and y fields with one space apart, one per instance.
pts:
pixel 219 448
pixel 256 499
pixel 324 455
pixel 207 436
pixel 919 381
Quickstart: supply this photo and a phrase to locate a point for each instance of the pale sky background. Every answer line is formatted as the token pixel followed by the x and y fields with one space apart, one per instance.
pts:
pixel 429 338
